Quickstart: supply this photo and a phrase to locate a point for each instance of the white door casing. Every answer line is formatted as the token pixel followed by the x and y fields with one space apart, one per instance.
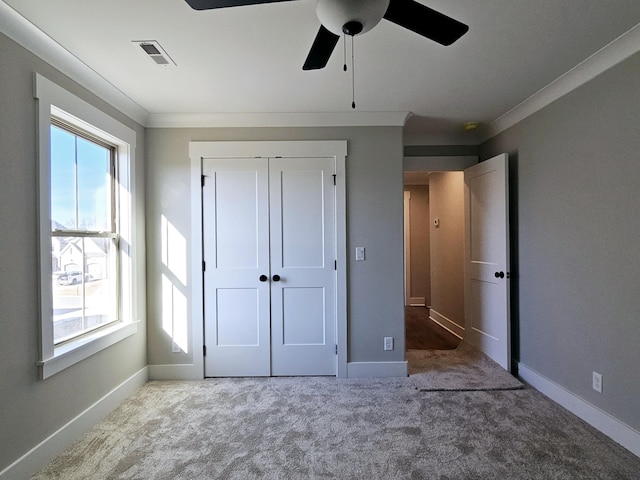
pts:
pixel 487 259
pixel 320 339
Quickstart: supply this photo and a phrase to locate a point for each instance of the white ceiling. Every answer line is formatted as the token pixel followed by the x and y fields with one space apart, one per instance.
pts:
pixel 249 59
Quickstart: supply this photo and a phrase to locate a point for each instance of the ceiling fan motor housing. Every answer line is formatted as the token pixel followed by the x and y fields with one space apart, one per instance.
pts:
pixel 351 17
pixel 352 28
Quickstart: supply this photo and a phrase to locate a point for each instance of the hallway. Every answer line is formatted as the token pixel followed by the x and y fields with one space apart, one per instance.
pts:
pixel 424 334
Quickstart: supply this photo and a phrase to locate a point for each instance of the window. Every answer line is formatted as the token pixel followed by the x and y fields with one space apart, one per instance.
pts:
pixel 84 237
pixel 86 228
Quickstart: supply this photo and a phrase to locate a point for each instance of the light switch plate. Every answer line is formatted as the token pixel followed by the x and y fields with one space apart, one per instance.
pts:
pixel 359 254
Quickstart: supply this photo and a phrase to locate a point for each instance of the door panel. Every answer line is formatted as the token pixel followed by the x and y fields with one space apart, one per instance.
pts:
pixel 236 253
pixel 307 328
pixel 302 201
pixel 487 259
pixel 237 317
pixel 302 218
pixel 236 235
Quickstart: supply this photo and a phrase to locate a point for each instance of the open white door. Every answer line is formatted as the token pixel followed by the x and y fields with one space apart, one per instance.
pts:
pixel 487 259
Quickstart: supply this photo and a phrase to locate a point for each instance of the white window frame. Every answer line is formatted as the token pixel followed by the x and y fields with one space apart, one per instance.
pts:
pixel 53 100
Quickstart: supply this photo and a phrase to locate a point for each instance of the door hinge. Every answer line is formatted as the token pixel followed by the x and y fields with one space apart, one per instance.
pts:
pixel 204 350
pixel 334 178
pixel 336 349
pixel 204 266
pixel 202 177
pixel 335 264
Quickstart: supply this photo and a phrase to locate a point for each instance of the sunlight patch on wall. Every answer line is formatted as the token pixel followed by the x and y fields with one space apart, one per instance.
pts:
pixel 174 281
pixel 174 250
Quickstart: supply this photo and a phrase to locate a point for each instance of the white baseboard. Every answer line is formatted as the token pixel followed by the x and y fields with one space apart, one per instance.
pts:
pixel 377 369
pixel 618 431
pixel 446 323
pixel 57 442
pixel 175 372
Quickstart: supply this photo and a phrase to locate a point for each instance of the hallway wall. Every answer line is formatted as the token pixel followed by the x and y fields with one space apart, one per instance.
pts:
pixel 446 206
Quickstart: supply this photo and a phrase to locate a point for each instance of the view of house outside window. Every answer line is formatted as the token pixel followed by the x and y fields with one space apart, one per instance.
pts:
pixel 83 233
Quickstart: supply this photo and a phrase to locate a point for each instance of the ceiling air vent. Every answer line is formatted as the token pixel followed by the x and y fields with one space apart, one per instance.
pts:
pixel 155 52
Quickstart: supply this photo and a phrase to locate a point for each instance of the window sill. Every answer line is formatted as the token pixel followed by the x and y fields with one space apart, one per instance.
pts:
pixel 75 351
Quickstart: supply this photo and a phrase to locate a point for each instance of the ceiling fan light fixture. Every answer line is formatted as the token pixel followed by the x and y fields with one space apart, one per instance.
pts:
pixel 338 15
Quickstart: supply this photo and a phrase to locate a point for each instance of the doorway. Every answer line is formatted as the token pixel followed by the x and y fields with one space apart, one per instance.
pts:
pixel 485 318
pixel 434 259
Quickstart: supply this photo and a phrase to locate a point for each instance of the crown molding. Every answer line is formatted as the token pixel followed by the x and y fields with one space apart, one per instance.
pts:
pixel 607 57
pixel 19 29
pixel 283 120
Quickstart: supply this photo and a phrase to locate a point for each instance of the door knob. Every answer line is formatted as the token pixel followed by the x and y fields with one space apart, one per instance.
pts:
pixel 263 278
pixel 276 278
pixel 499 274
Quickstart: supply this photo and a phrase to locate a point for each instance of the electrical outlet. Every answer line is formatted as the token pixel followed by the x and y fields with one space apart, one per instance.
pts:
pixel 597 382
pixel 388 343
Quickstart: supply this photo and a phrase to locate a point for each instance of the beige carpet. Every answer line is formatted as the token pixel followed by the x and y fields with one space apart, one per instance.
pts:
pixel 319 428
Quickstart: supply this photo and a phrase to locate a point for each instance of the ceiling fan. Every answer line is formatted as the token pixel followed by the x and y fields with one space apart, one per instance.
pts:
pixel 353 17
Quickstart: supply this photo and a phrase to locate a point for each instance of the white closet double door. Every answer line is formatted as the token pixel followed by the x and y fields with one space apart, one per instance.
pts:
pixel 270 279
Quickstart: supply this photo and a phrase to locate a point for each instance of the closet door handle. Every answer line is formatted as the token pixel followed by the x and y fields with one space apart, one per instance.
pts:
pixel 263 278
pixel 499 274
pixel 276 278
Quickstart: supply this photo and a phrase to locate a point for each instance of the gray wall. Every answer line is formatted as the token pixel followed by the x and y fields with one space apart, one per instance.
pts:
pixel 576 176
pixel 446 202
pixel 30 408
pixel 374 220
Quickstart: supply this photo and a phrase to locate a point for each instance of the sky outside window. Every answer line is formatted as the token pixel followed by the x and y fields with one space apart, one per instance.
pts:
pixel 79 183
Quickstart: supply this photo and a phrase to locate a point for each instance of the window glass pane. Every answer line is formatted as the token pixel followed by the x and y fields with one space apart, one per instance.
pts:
pixel 83 286
pixel 63 180
pixel 93 165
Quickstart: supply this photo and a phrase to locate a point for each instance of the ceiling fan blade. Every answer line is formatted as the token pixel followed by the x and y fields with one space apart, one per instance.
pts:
pixel 321 49
pixel 425 21
pixel 210 4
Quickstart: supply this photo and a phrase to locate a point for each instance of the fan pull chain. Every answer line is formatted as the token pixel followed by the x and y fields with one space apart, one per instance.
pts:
pixel 353 76
pixel 344 46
